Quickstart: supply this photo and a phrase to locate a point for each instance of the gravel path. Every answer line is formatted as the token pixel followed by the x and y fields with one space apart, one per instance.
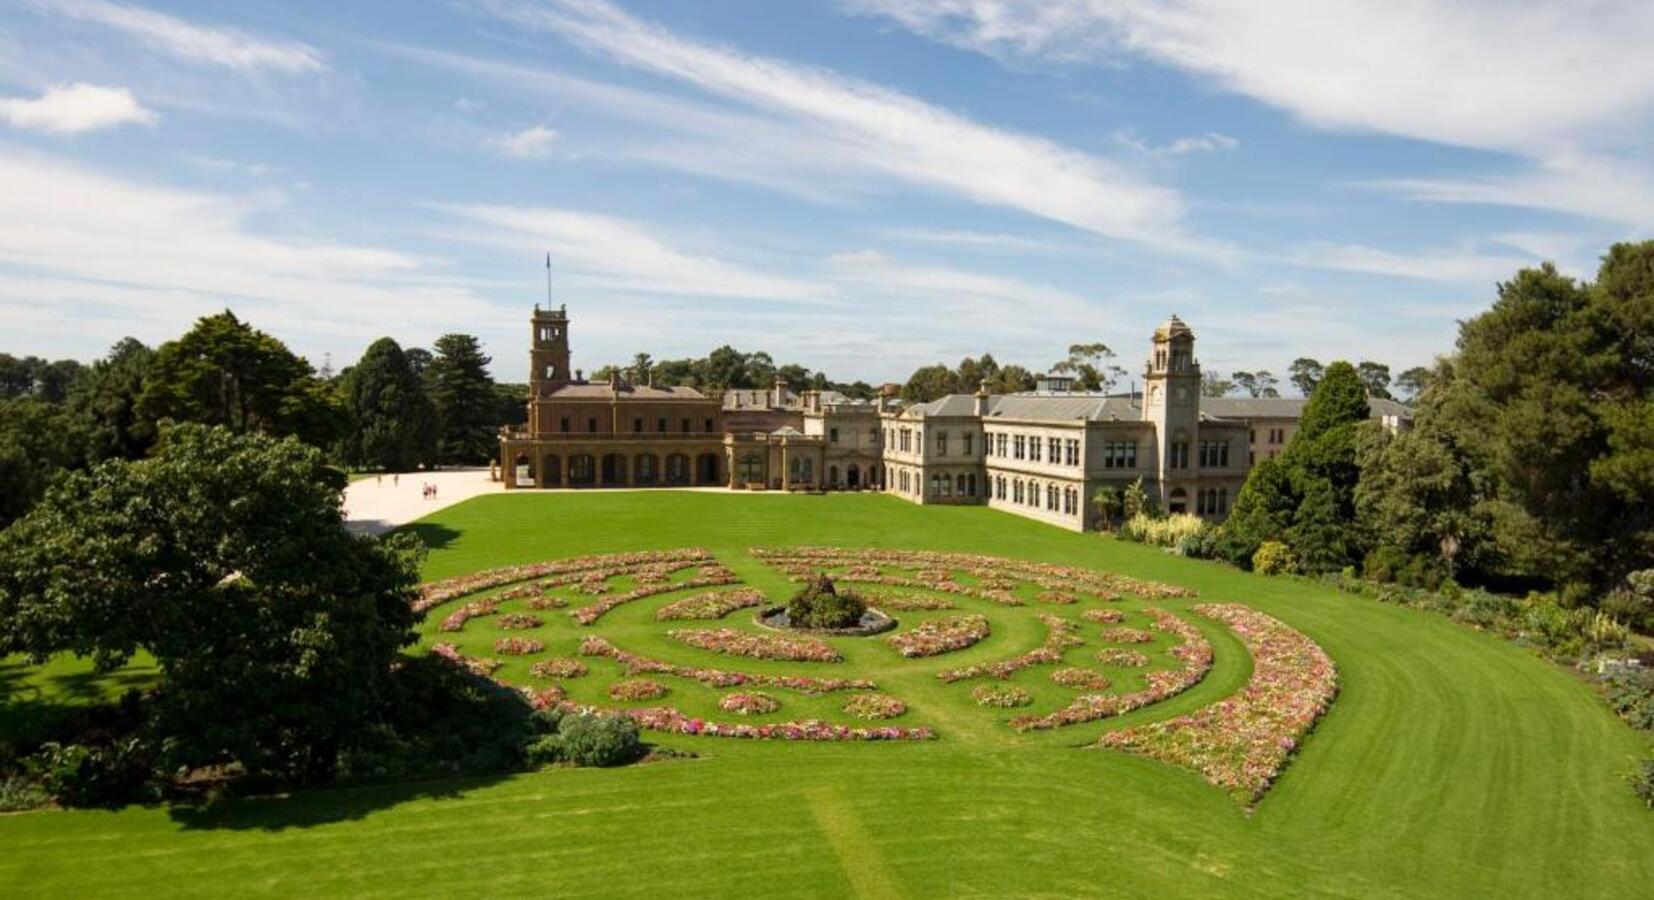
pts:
pixel 379 503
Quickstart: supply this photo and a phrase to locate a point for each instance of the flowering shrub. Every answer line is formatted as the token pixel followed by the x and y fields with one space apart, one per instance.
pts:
pixel 1084 679
pixel 874 706
pixel 558 572
pixel 1194 656
pixel 749 703
pixel 941 636
pixel 1274 558
pixel 1001 695
pixel 637 689
pixel 1161 531
pixel 710 605
pixel 1059 637
pixel 586 615
pixel 757 646
pixel 520 621
pixel 667 719
pixel 1241 743
pixel 1119 656
pixel 635 664
pixel 1124 635
pixel 559 667
pixel 516 646
pixel 1103 616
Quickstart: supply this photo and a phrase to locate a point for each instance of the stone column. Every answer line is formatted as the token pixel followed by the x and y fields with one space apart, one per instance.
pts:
pixel 786 474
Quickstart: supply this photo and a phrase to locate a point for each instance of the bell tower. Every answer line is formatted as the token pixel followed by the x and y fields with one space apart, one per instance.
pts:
pixel 1172 402
pixel 548 357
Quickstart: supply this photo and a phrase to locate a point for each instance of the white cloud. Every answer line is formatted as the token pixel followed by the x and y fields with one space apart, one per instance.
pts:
pixel 1210 142
pixel 883 131
pixel 530 143
pixel 1466 267
pixel 220 46
pixel 614 254
pixel 985 240
pixel 961 296
pixel 76 108
pixel 139 258
pixel 1552 82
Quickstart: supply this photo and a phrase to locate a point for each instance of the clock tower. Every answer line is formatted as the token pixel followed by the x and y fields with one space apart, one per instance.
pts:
pixel 1172 402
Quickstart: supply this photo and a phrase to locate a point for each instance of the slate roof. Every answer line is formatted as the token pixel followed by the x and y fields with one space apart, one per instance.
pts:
pixel 602 391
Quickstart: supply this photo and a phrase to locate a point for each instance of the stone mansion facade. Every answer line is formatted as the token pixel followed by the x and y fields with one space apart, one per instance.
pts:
pixel 1040 454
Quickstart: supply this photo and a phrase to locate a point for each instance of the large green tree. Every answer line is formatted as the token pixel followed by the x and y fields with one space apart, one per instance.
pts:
pixel 225 372
pixel 392 422
pixel 38 441
pixel 459 385
pixel 106 399
pixel 224 557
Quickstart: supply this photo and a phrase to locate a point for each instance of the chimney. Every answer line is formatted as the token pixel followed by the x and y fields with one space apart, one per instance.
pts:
pixel 982 398
pixel 780 392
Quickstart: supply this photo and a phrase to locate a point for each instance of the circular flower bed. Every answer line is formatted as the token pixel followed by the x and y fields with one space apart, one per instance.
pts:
pixel 516 646
pixel 520 621
pixel 560 667
pixel 1126 635
pixel 822 608
pixel 1062 598
pixel 1119 656
pixel 749 703
pixel 1084 679
pixel 637 689
pixel 1004 696
pixel 757 646
pixel 875 706
pixel 941 636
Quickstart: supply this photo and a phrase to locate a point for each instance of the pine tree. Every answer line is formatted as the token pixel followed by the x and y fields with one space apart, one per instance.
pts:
pixel 462 391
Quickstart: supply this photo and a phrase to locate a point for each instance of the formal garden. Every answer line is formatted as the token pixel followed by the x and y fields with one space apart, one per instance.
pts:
pixel 1043 713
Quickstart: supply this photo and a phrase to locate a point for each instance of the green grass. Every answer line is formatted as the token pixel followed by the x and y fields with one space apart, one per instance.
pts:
pixel 1453 764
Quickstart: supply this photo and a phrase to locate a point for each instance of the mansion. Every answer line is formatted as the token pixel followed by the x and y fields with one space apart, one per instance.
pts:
pixel 1040 454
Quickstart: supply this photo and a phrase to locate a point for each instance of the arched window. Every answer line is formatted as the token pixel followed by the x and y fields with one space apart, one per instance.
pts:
pixel 852 476
pixel 971 482
pixel 749 469
pixel 959 484
pixel 614 468
pixel 582 470
pixel 706 468
pixel 646 469
pixel 832 475
pixel 677 469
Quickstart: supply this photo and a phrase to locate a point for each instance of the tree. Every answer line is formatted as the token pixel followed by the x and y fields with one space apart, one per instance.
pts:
pixel 1089 365
pixel 393 423
pixel 796 377
pixel 107 398
pixel 1214 385
pixel 1107 501
pixel 225 372
pixel 638 371
pixel 1135 501
pixel 1010 379
pixel 458 383
pixel 1413 383
pixel 1305 373
pixel 224 557
pixel 32 376
pixel 1256 384
pixel 1416 495
pixel 38 441
pixel 973 372
pixel 1376 377
pixel 929 383
pixel 1262 512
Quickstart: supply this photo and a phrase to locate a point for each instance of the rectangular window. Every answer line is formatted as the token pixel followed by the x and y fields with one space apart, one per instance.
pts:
pixel 686 426
pixel 1053 449
pixel 832 435
pixel 941 443
pixel 637 424
pixel 563 425
pixel 1020 444
pixel 708 426
pixel 660 424
pixel 968 442
pixel 591 425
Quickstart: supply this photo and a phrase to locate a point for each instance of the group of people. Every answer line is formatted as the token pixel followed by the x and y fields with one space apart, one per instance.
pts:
pixel 430 492
pixel 428 489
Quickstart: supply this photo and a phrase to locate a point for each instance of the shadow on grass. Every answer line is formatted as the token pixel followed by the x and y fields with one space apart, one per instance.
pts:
pixel 33 699
pixel 435 536
pixel 323 806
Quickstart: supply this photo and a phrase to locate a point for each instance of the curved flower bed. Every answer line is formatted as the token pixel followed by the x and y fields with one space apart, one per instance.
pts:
pixel 1084 679
pixel 1059 637
pixel 1104 616
pixel 480 666
pixel 637 689
pixel 749 703
pixel 940 636
pixel 665 718
pixel 719 678
pixel 909 602
pixel 988 570
pixel 1004 696
pixel 710 605
pixel 563 571
pixel 1194 655
pixel 520 621
pixel 757 646
pixel 874 706
pixel 590 613
pixel 1120 656
pixel 1061 598
pixel 1123 635
pixel 545 603
pixel 516 646
pixel 560 667
pixel 456 620
pixel 1241 743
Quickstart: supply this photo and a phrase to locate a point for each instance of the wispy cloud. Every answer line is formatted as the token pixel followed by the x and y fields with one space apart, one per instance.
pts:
pixel 1569 87
pixel 1210 142
pixel 610 253
pixel 982 240
pixel 213 45
pixel 75 108
pixel 530 143
pixel 1467 267
pixel 882 130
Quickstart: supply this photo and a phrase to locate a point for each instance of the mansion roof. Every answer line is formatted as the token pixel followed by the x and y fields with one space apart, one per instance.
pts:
pixel 1099 408
pixel 606 391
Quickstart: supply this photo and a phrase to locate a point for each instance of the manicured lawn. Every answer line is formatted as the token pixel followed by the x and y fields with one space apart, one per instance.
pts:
pixel 1452 764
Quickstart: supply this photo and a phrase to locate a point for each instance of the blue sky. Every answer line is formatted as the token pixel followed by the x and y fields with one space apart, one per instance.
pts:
pixel 861 186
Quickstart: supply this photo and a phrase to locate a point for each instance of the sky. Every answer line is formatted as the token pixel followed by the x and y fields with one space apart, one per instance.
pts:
pixel 859 186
